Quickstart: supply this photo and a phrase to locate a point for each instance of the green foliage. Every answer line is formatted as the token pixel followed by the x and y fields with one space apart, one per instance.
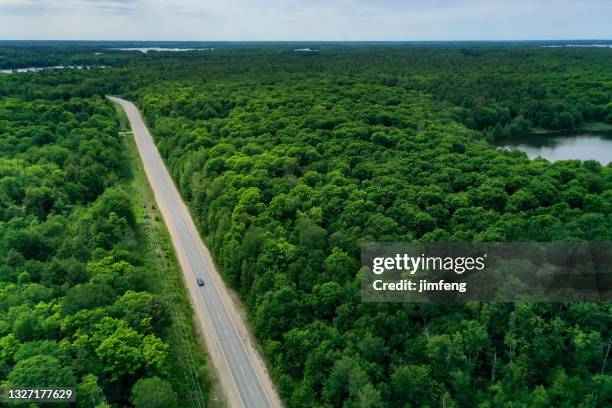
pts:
pixel 40 369
pixel 289 162
pixel 74 305
pixel 297 164
pixel 153 392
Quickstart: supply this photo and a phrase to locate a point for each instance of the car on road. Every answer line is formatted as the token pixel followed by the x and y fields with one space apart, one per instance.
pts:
pixel 200 281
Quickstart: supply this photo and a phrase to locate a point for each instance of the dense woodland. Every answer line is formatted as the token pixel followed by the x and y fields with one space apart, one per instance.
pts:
pixel 76 305
pixel 289 161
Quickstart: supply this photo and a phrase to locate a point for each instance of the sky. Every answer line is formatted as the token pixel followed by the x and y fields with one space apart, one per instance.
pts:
pixel 340 20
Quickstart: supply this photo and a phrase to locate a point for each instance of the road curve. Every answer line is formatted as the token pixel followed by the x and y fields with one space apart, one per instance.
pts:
pixel 242 373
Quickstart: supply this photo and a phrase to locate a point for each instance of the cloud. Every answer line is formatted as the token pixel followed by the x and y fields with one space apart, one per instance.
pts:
pixel 8 7
pixel 66 6
pixel 301 20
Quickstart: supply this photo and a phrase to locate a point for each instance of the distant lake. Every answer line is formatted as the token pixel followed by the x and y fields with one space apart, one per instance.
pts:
pixel 36 69
pixel 305 50
pixel 585 146
pixel 578 46
pixel 145 50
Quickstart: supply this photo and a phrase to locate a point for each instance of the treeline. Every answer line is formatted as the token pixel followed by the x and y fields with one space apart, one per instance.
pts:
pixel 60 84
pixel 76 305
pixel 288 172
pixel 41 54
pixel 501 91
pixel 509 93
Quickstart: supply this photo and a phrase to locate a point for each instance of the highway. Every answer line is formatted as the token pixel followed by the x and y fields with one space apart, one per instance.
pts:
pixel 241 371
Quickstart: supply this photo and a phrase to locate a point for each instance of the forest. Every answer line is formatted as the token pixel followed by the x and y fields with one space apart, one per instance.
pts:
pixel 289 162
pixel 77 306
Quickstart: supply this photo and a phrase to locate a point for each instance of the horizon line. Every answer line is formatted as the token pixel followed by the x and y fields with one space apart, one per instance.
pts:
pixel 317 41
pixel 561 40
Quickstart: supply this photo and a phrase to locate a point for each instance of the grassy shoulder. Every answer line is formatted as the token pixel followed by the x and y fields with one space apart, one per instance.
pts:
pixel 191 373
pixel 124 124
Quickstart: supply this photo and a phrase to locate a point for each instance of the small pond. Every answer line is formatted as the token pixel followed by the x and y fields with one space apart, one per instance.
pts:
pixel 583 146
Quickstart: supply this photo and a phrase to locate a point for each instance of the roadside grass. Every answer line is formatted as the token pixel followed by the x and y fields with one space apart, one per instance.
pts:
pixel 124 124
pixel 190 373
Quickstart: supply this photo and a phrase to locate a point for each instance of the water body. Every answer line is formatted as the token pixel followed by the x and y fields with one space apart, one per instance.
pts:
pixel 583 146
pixel 37 69
pixel 579 46
pixel 145 50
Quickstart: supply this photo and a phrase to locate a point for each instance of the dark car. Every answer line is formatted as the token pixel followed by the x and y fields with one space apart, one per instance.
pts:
pixel 200 281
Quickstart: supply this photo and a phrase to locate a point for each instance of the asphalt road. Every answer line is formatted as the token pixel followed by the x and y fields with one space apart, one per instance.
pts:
pixel 242 373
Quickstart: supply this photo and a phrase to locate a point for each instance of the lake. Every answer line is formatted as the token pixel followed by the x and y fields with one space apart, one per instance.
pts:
pixel 37 69
pixel 584 146
pixel 145 50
